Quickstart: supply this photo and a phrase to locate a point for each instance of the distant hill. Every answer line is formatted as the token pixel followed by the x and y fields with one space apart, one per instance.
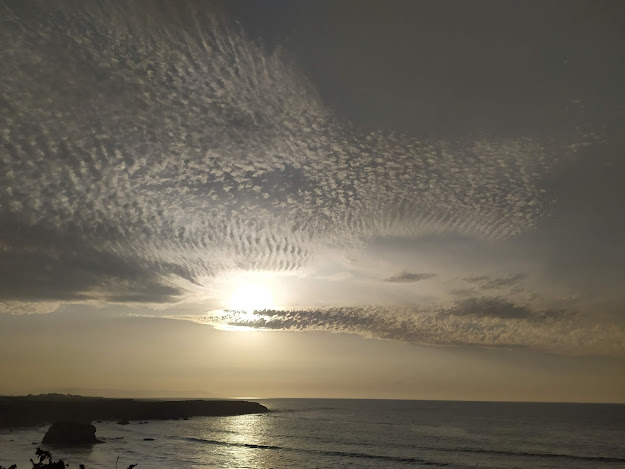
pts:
pixel 53 396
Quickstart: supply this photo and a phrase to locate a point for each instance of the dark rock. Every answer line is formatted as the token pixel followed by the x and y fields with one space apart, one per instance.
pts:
pixel 123 422
pixel 148 439
pixel 70 434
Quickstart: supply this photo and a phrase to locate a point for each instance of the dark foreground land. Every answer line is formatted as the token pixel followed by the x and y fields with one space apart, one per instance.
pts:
pixel 26 411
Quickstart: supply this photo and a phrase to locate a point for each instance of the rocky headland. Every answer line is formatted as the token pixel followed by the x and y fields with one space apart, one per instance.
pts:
pixel 24 411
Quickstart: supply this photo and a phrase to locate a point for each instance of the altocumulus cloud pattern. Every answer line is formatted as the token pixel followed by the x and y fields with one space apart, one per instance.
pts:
pixel 482 321
pixel 146 147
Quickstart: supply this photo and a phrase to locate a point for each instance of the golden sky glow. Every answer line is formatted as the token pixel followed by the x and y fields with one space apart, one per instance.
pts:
pixel 391 199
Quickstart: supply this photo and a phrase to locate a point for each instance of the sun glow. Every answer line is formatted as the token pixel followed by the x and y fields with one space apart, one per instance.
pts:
pixel 250 298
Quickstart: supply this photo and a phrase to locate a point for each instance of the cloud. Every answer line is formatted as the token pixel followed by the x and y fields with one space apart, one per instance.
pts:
pixel 486 282
pixel 488 322
pixel 37 269
pixel 139 147
pixel 406 277
pixel 497 307
pixel 28 307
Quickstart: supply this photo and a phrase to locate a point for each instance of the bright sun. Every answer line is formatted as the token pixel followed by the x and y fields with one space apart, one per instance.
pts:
pixel 250 298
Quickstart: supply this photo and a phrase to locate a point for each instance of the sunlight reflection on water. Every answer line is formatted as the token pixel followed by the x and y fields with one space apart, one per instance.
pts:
pixel 245 441
pixel 365 434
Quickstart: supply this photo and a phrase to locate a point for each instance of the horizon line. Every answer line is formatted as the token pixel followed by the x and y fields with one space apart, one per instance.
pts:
pixel 248 398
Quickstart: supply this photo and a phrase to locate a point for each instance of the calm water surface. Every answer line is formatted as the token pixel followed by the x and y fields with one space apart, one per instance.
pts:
pixel 326 433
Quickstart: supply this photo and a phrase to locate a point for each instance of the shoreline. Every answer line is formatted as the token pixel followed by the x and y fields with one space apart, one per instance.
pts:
pixel 29 411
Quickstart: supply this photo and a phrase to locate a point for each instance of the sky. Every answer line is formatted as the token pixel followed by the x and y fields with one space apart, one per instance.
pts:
pixel 415 200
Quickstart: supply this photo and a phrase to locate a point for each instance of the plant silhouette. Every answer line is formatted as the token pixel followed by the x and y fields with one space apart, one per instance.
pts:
pixel 46 462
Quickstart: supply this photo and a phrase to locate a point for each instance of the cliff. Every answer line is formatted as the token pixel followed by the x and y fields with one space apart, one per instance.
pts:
pixel 39 410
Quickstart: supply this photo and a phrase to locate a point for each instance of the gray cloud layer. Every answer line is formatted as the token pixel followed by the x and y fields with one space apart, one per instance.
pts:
pixel 406 277
pixel 479 321
pixel 486 282
pixel 143 143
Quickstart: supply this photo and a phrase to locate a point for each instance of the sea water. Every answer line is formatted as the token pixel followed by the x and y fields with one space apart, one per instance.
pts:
pixel 328 433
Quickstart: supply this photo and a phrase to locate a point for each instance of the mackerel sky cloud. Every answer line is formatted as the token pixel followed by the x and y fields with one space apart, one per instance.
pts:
pixel 151 151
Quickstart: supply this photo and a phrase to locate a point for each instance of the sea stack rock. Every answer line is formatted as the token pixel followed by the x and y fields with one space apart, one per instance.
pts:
pixel 70 434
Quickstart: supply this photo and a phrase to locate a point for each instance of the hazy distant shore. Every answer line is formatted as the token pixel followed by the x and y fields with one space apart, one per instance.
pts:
pixel 25 411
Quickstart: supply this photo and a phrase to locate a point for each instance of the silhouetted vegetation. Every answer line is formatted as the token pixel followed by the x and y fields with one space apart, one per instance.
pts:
pixel 46 462
pixel 43 455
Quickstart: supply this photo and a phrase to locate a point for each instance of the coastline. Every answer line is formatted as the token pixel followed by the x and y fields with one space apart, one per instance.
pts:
pixel 313 433
pixel 27 411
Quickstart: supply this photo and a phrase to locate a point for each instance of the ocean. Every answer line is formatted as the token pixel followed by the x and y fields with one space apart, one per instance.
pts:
pixel 345 433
